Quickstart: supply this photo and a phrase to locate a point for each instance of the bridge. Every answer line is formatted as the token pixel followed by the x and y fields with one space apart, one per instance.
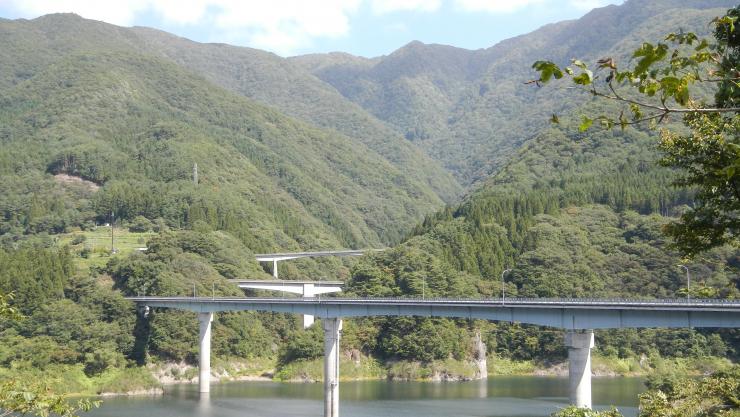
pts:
pixel 306 289
pixel 579 317
pixel 277 257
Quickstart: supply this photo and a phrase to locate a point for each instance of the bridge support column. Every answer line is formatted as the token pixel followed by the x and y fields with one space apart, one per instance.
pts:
pixel 579 344
pixel 332 334
pixel 204 363
pixel 308 291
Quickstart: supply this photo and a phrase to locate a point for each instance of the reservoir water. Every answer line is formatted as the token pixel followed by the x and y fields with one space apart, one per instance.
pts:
pixel 497 397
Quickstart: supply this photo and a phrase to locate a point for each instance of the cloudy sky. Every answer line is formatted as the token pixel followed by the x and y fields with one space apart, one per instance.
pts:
pixel 293 27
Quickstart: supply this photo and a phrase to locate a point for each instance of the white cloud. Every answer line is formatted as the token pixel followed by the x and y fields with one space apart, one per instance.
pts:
pixel 495 6
pixel 180 12
pixel 390 6
pixel 116 12
pixel 282 26
pixel 509 6
pixel 586 5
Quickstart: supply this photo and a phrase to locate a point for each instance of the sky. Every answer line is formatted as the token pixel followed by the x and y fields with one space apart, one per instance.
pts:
pixel 295 27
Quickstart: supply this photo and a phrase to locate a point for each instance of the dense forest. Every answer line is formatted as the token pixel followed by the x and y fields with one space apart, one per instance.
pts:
pixel 149 131
pixel 471 110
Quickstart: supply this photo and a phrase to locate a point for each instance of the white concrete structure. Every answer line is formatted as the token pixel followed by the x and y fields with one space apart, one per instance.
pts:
pixel 579 344
pixel 306 289
pixel 204 365
pixel 332 334
pixel 277 257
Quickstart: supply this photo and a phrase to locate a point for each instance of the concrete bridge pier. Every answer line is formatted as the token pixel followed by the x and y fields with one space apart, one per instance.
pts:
pixel 332 334
pixel 204 362
pixel 309 291
pixel 579 344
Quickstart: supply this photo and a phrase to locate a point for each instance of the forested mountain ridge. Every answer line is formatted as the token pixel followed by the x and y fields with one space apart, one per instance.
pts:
pixel 256 74
pixel 470 109
pixel 133 121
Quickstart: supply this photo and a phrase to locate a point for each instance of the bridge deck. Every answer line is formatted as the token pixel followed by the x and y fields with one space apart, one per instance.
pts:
pixel 263 257
pixel 283 282
pixel 560 313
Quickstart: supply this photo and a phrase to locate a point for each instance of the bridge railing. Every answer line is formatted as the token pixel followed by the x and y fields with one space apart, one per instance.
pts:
pixel 498 301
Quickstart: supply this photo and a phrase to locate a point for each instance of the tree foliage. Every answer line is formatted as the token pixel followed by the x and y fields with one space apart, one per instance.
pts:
pixel 27 398
pixel 659 85
pixel 716 395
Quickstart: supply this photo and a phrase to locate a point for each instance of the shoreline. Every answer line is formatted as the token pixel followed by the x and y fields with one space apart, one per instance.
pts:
pixel 153 392
pixel 154 379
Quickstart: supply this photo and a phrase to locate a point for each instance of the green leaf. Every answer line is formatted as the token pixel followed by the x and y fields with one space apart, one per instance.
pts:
pixel 547 70
pixel 580 64
pixel 585 124
pixel 554 119
pixel 584 78
pixel 649 55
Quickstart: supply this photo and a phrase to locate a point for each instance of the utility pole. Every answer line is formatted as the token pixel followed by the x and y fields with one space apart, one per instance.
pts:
pixel 195 173
pixel 688 282
pixel 503 285
pixel 112 219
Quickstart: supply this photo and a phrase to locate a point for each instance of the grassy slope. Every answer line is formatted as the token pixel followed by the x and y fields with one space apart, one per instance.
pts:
pixel 97 245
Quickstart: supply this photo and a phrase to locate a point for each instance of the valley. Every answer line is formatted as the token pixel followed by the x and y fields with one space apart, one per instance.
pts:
pixel 204 154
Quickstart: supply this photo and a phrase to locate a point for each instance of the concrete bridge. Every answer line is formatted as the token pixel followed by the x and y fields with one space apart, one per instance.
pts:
pixel 579 317
pixel 306 289
pixel 277 257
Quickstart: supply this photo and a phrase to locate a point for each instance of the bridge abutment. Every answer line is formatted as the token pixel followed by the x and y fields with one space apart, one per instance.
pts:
pixel 332 334
pixel 579 344
pixel 204 362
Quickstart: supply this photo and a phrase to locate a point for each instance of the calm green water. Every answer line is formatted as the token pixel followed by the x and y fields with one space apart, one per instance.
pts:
pixel 499 397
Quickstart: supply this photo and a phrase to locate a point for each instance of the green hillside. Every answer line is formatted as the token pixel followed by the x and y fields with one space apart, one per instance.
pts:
pixel 276 82
pixel 259 75
pixel 471 110
pixel 324 152
pixel 137 125
pixel 571 216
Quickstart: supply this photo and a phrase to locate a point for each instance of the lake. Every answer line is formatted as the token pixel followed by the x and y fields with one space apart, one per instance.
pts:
pixel 523 396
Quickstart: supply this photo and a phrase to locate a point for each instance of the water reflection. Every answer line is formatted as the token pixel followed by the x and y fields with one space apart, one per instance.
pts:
pixel 497 397
pixel 204 405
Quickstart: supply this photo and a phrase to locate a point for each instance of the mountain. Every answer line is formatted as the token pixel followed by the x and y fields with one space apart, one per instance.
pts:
pixel 92 100
pixel 274 81
pixel 256 74
pixel 564 214
pixel 570 215
pixel 471 109
pixel 222 152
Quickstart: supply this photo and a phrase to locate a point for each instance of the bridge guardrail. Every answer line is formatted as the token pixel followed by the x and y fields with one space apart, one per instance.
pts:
pixel 485 301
